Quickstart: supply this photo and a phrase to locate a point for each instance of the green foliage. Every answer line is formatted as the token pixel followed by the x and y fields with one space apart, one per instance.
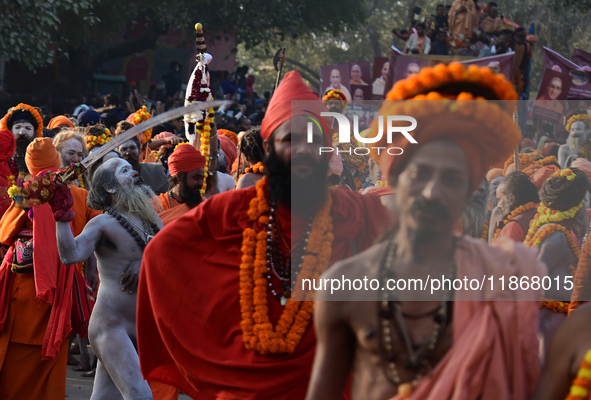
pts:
pixel 30 29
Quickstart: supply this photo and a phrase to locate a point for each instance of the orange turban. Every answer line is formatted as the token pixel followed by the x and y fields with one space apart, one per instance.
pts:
pixel 230 134
pixel 60 120
pixel 41 154
pixel 229 149
pixel 7 147
pixel 494 173
pixel 584 165
pixel 292 87
pixel 185 158
pixel 542 175
pixel 484 130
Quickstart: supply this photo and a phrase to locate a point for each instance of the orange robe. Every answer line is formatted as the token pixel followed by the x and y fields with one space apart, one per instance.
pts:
pixel 169 214
pixel 36 329
pixel 495 351
pixel 193 340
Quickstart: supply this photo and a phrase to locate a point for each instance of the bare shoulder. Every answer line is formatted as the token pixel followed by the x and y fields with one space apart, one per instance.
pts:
pixel 247 180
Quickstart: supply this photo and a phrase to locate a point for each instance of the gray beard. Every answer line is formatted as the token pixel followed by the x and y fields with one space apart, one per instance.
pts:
pixel 575 143
pixel 138 200
pixel 473 218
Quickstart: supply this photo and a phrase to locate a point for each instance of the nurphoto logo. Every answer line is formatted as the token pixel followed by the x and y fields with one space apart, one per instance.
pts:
pixel 345 131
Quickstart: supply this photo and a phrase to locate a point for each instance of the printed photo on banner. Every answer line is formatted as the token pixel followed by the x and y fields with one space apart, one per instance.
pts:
pixel 553 91
pixel 359 74
pixel 381 66
pixel 335 77
pixel 361 92
pixel 578 71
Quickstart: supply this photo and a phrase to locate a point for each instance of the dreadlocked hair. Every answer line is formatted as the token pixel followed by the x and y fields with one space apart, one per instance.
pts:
pixel 521 188
pixel 561 194
pixel 251 145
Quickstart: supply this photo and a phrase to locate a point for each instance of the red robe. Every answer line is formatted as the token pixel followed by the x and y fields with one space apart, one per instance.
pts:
pixel 188 317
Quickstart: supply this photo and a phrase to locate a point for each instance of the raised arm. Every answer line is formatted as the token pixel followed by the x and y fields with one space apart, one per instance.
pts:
pixel 74 250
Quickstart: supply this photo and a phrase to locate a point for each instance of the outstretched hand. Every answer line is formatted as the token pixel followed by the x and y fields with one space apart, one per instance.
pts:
pixel 61 204
pixel 131 277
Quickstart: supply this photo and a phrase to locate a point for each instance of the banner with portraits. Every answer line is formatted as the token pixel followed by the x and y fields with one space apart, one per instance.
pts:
pixel 578 71
pixel 403 65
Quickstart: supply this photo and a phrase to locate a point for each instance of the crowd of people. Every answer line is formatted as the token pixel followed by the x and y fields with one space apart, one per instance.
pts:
pixel 182 255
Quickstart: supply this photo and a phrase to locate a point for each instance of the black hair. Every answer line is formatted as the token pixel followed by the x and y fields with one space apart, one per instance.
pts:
pixel 520 188
pixel 251 145
pixel 559 193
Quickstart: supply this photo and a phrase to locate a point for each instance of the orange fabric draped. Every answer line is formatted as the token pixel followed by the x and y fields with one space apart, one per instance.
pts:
pixel 495 351
pixel 36 308
pixel 193 340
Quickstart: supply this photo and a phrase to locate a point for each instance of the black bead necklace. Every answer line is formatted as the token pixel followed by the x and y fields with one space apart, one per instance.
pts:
pixel 129 227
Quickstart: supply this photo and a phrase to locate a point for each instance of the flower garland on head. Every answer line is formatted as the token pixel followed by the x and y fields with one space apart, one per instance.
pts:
pixel 22 106
pixel 92 140
pixel 522 208
pixel 258 331
pixel 581 385
pixel 533 167
pixel 578 117
pixel 525 160
pixel 138 117
pixel 546 216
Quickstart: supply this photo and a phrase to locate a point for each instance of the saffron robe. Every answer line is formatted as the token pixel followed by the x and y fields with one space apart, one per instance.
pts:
pixel 188 316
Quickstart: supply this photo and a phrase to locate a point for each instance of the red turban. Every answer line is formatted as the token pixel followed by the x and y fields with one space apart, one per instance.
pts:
pixel 292 87
pixel 542 175
pixel 7 147
pixel 229 149
pixel 484 130
pixel 185 158
pixel 41 154
pixel 60 120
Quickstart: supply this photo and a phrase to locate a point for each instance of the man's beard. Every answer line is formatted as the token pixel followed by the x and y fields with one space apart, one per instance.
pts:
pixel 304 195
pixel 133 160
pixel 19 154
pixel 137 200
pixel 575 143
pixel 473 217
pixel 188 196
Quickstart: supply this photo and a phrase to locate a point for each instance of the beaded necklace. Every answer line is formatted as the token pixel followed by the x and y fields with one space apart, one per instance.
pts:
pixel 391 318
pixel 147 233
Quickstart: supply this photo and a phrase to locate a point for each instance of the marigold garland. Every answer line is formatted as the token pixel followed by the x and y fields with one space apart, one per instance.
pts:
pixel 258 331
pixel 547 230
pixel 30 109
pixel 484 234
pixel 582 383
pixel 556 306
pixel 92 140
pixel 546 215
pixel 521 209
pixel 564 173
pixel 205 136
pixel 530 169
pixel 140 116
pixel 578 117
pixel 258 168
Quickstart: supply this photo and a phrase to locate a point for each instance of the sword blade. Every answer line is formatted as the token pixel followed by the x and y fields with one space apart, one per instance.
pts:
pixel 144 126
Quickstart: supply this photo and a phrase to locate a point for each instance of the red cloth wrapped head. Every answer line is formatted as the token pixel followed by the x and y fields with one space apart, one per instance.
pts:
pixel 41 154
pixel 584 165
pixel 292 87
pixel 449 101
pixel 229 149
pixel 185 158
pixel 541 175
